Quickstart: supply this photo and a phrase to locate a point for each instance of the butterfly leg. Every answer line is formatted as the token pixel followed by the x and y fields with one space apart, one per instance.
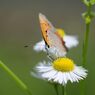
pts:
pixel 48 55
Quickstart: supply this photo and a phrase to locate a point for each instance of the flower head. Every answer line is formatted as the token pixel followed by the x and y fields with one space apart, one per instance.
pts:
pixel 61 71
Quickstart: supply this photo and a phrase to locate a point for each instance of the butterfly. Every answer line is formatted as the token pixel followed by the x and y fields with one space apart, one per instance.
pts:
pixel 54 44
pixel 55 41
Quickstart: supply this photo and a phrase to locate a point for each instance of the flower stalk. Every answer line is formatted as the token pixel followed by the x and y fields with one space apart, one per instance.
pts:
pixel 64 90
pixel 15 77
pixel 88 16
pixel 56 89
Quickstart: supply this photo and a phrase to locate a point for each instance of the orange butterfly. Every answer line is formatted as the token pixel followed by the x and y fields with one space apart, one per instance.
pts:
pixel 55 45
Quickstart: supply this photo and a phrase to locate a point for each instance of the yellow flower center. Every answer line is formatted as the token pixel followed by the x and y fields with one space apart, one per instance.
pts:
pixel 61 32
pixel 63 64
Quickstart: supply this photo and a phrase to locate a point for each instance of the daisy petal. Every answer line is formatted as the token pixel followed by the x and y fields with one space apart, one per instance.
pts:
pixel 49 74
pixel 70 41
pixel 40 46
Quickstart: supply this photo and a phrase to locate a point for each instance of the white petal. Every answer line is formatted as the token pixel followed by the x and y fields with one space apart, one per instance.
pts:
pixel 72 76
pixel 59 78
pixel 69 77
pixel 49 74
pixel 64 79
pixel 75 77
pixel 80 71
pixel 56 79
pixel 40 46
pixel 43 67
pixel 70 41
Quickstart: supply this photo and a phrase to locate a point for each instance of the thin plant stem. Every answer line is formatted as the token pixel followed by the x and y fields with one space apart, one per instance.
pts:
pixel 87 17
pixel 85 45
pixel 15 77
pixel 86 36
pixel 64 90
pixel 56 89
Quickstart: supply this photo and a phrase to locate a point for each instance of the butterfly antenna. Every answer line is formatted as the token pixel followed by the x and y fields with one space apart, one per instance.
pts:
pixel 28 45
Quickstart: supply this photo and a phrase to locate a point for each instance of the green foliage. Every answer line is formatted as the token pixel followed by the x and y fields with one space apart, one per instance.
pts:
pixel 15 77
pixel 88 17
pixel 92 2
pixel 89 14
pixel 88 2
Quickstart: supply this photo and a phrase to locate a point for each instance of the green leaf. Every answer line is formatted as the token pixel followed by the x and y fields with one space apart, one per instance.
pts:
pixel 86 2
pixel 84 15
pixel 92 2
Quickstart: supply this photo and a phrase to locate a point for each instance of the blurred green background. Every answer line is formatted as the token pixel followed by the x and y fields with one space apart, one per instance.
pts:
pixel 19 25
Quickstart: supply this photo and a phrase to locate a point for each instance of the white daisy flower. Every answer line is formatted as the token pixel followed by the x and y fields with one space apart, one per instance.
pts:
pixel 60 71
pixel 70 41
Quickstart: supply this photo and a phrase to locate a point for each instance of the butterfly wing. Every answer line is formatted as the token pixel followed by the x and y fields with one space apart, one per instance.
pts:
pixel 45 26
pixel 56 45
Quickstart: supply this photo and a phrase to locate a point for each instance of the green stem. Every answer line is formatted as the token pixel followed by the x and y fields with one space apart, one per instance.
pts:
pixel 86 36
pixel 82 88
pixel 85 44
pixel 16 78
pixel 56 88
pixel 64 90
